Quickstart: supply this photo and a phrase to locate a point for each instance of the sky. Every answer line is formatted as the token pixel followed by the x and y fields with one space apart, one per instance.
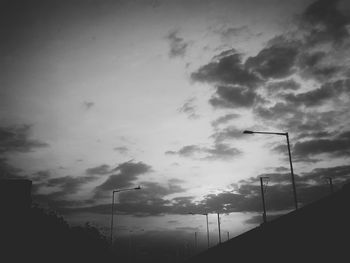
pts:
pixel 104 95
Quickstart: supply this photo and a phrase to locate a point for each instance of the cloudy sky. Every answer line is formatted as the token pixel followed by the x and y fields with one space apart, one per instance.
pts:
pixel 103 95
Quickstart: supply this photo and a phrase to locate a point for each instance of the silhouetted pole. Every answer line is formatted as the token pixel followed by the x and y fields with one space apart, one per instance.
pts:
pixel 207 229
pixel 292 173
pixel 113 192
pixel 112 218
pixel 228 236
pixel 219 228
pixel 331 184
pixel 130 236
pixel 206 214
pixel 195 241
pixel 263 199
pixel 290 160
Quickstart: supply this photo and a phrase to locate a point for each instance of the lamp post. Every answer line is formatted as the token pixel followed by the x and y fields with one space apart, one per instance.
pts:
pixel 263 197
pixel 113 192
pixel 195 242
pixel 219 228
pixel 206 214
pixel 290 159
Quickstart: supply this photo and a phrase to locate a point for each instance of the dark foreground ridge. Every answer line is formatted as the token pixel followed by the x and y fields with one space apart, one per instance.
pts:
pixel 318 232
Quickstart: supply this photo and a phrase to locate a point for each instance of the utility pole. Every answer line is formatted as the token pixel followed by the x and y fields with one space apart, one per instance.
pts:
pixel 219 228
pixel 263 197
pixel 228 236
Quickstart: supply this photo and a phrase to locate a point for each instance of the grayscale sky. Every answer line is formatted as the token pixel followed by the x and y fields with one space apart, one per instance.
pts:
pixel 103 95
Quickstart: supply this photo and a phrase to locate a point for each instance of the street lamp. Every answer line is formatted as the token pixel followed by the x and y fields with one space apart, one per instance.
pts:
pixel 219 228
pixel 290 159
pixel 263 196
pixel 206 214
pixel 113 192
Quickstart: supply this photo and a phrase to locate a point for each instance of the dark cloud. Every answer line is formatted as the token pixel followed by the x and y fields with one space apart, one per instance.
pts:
pixel 281 169
pixel 338 146
pixel 58 198
pixel 276 177
pixel 231 32
pixel 278 111
pixel 314 50
pixel 69 184
pixel 275 61
pixel 178 45
pixel 189 109
pixel 121 149
pixel 41 176
pixel 186 151
pixel 321 134
pixel 224 119
pixel 126 173
pixel 325 22
pixel 339 174
pixel 228 133
pixel 282 86
pixel 101 169
pixel 226 69
pixel 318 96
pixel 278 196
pixel 150 200
pixel 88 104
pixel 57 201
pixel 245 196
pixel 219 151
pixel 16 139
pixel 317 65
pixel 234 97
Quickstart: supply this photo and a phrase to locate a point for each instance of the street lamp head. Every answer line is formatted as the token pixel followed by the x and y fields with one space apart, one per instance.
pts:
pixel 248 132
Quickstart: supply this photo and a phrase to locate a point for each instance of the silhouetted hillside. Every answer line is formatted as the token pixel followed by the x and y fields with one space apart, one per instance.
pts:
pixel 318 232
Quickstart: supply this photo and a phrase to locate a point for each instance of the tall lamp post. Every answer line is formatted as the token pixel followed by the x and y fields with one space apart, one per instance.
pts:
pixel 113 192
pixel 263 197
pixel 206 214
pixel 219 228
pixel 290 159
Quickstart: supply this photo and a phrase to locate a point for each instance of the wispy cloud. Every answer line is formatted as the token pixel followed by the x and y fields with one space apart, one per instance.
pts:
pixel 88 104
pixel 189 109
pixel 17 139
pixel 219 151
pixel 178 46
